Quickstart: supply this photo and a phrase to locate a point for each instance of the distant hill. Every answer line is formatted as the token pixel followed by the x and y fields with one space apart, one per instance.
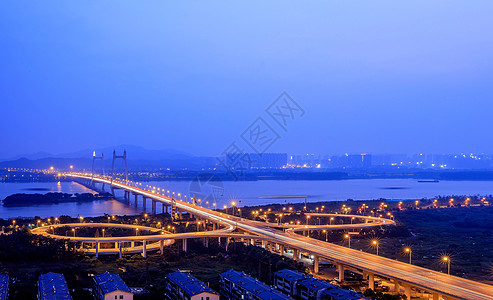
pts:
pixel 137 157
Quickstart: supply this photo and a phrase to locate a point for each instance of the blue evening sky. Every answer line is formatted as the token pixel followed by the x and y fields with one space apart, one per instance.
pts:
pixel 372 76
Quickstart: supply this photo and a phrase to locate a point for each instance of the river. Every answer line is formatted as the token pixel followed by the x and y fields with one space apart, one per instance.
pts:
pixel 243 193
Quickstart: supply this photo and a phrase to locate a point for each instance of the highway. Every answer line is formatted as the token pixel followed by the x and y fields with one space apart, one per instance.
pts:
pixel 406 274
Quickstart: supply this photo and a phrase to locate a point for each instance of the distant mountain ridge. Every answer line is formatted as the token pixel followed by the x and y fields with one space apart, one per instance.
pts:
pixel 136 156
pixel 136 152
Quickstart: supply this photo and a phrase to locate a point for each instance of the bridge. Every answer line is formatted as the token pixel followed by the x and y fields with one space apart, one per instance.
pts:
pixel 404 276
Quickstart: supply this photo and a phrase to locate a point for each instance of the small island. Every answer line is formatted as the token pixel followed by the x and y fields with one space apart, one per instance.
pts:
pixel 52 198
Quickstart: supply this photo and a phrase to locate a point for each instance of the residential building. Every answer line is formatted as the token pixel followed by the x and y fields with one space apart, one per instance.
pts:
pixel 303 287
pixel 109 286
pixel 4 287
pixel 183 286
pixel 240 286
pixel 52 286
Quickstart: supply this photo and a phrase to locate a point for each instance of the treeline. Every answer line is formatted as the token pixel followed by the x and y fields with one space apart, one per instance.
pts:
pixel 27 199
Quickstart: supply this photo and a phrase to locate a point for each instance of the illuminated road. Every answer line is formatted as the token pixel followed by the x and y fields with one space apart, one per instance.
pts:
pixel 406 274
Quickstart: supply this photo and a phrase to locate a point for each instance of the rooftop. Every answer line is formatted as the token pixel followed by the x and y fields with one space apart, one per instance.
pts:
pixel 110 283
pixel 291 275
pixel 52 286
pixel 253 285
pixel 191 285
pixel 316 284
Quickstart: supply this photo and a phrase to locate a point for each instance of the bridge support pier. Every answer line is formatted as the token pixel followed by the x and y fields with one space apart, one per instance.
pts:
pixel 281 249
pixel 136 196
pixel 144 249
pixel 144 204
pixel 153 207
pixel 436 296
pixel 132 244
pixel 214 226
pixel 227 243
pixel 263 244
pixel 407 291
pixel 397 286
pixel 371 281
pixel 295 254
pixel 184 245
pixel 120 249
pixel 164 208
pixel 315 264
pixel 252 242
pixel 340 269
pixel 97 249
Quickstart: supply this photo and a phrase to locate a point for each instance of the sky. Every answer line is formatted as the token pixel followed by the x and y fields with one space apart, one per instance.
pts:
pixel 370 76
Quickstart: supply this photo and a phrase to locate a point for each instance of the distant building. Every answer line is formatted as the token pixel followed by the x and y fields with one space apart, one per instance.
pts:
pixel 52 286
pixel 256 161
pixel 240 286
pixel 4 287
pixel 111 287
pixel 183 286
pixel 304 287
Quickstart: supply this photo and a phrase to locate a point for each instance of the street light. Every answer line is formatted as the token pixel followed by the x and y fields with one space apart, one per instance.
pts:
pixel 331 219
pixel 136 231
pixel 326 235
pixel 446 259
pixel 348 237
pixel 102 231
pixel 410 251
pixel 73 229
pixel 375 243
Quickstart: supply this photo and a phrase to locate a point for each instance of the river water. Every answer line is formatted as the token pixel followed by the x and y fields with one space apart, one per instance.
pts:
pixel 243 193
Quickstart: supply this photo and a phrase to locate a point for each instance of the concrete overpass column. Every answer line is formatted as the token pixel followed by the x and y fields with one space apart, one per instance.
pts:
pixel 144 249
pixel 252 242
pixel 371 281
pixel 132 244
pixel 227 243
pixel 315 264
pixel 120 249
pixel 153 206
pixel 407 291
pixel 340 269
pixel 184 245
pixel 219 241
pixel 214 226
pixel 161 247
pixel 144 204
pixel 164 207
pixel 397 286
pixel 263 244
pixel 281 249
pixel 295 254
pixel 97 249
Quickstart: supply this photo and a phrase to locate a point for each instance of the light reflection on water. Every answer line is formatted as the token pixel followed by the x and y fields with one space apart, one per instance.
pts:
pixel 74 209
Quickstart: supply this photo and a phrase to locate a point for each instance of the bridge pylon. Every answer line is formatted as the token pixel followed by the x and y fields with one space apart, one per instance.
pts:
pixel 115 157
pixel 94 158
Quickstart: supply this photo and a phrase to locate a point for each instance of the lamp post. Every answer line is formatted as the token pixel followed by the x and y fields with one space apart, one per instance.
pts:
pixel 410 251
pixel 446 259
pixel 326 235
pixel 375 243
pixel 73 230
pixel 331 219
pixel 348 237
